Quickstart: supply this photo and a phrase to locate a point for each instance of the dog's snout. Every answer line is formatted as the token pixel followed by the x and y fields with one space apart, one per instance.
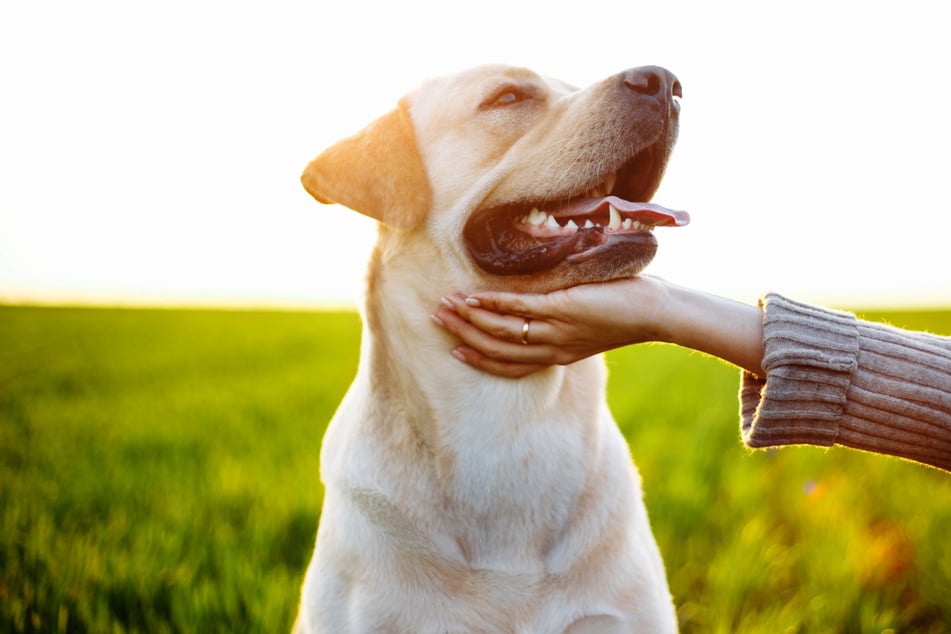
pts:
pixel 654 81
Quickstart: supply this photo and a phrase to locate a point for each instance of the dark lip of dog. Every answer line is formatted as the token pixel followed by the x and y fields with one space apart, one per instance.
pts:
pixel 527 238
pixel 610 220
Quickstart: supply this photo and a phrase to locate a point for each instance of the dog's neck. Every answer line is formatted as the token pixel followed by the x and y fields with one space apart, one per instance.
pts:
pixel 402 345
pixel 448 438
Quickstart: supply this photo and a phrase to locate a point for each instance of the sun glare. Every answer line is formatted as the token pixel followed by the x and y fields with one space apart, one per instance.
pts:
pixel 153 155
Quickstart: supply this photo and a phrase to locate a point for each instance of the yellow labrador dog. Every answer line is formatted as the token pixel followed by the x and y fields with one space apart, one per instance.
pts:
pixel 458 501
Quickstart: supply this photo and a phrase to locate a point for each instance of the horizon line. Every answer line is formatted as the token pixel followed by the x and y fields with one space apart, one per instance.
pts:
pixel 251 302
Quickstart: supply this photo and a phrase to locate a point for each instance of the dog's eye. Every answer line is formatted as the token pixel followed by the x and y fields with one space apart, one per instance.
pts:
pixel 506 97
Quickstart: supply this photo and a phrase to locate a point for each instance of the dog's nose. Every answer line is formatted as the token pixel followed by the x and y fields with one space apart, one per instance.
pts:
pixel 655 81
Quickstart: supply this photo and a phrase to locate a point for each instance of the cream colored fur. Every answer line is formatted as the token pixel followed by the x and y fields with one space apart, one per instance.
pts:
pixel 457 501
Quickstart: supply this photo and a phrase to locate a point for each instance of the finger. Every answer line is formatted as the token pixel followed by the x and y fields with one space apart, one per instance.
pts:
pixel 524 305
pixel 492 347
pixel 510 328
pixel 474 336
pixel 476 359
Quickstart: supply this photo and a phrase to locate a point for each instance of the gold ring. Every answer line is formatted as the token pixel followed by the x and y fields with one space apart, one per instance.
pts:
pixel 525 331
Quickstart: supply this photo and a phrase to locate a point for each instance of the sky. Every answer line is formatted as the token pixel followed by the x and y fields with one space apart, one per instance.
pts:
pixel 150 153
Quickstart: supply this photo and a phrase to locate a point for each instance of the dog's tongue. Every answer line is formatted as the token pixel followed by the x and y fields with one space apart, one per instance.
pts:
pixel 649 213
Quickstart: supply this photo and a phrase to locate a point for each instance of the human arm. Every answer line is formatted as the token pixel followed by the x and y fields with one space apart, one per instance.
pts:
pixel 568 325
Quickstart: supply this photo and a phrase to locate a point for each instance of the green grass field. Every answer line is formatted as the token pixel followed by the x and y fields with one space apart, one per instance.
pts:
pixel 158 473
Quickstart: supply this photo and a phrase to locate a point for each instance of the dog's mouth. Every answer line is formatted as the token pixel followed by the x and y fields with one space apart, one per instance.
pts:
pixel 525 238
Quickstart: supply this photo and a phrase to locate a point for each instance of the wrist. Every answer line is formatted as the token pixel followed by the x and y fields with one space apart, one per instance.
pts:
pixel 673 314
pixel 730 330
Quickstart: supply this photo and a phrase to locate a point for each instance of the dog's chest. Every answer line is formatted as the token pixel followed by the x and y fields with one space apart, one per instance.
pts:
pixel 510 487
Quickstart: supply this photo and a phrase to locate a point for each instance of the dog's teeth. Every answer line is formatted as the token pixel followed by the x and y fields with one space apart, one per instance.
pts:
pixel 571 225
pixel 536 217
pixel 551 223
pixel 588 224
pixel 627 223
pixel 615 223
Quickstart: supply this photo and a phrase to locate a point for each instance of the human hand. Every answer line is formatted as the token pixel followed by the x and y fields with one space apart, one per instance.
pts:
pixel 562 327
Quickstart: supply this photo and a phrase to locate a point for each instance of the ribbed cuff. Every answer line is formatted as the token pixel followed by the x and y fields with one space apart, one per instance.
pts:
pixel 809 358
pixel 900 398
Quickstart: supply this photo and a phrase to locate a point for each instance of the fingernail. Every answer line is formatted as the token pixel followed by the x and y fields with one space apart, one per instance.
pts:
pixel 439 322
pixel 447 303
pixel 472 301
pixel 458 355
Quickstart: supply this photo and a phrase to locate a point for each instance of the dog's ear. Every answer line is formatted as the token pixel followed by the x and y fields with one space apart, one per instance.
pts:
pixel 377 172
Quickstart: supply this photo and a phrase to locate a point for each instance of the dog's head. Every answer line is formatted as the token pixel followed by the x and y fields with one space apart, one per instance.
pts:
pixel 522 182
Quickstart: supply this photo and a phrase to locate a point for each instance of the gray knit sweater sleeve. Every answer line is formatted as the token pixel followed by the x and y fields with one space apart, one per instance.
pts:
pixel 834 379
